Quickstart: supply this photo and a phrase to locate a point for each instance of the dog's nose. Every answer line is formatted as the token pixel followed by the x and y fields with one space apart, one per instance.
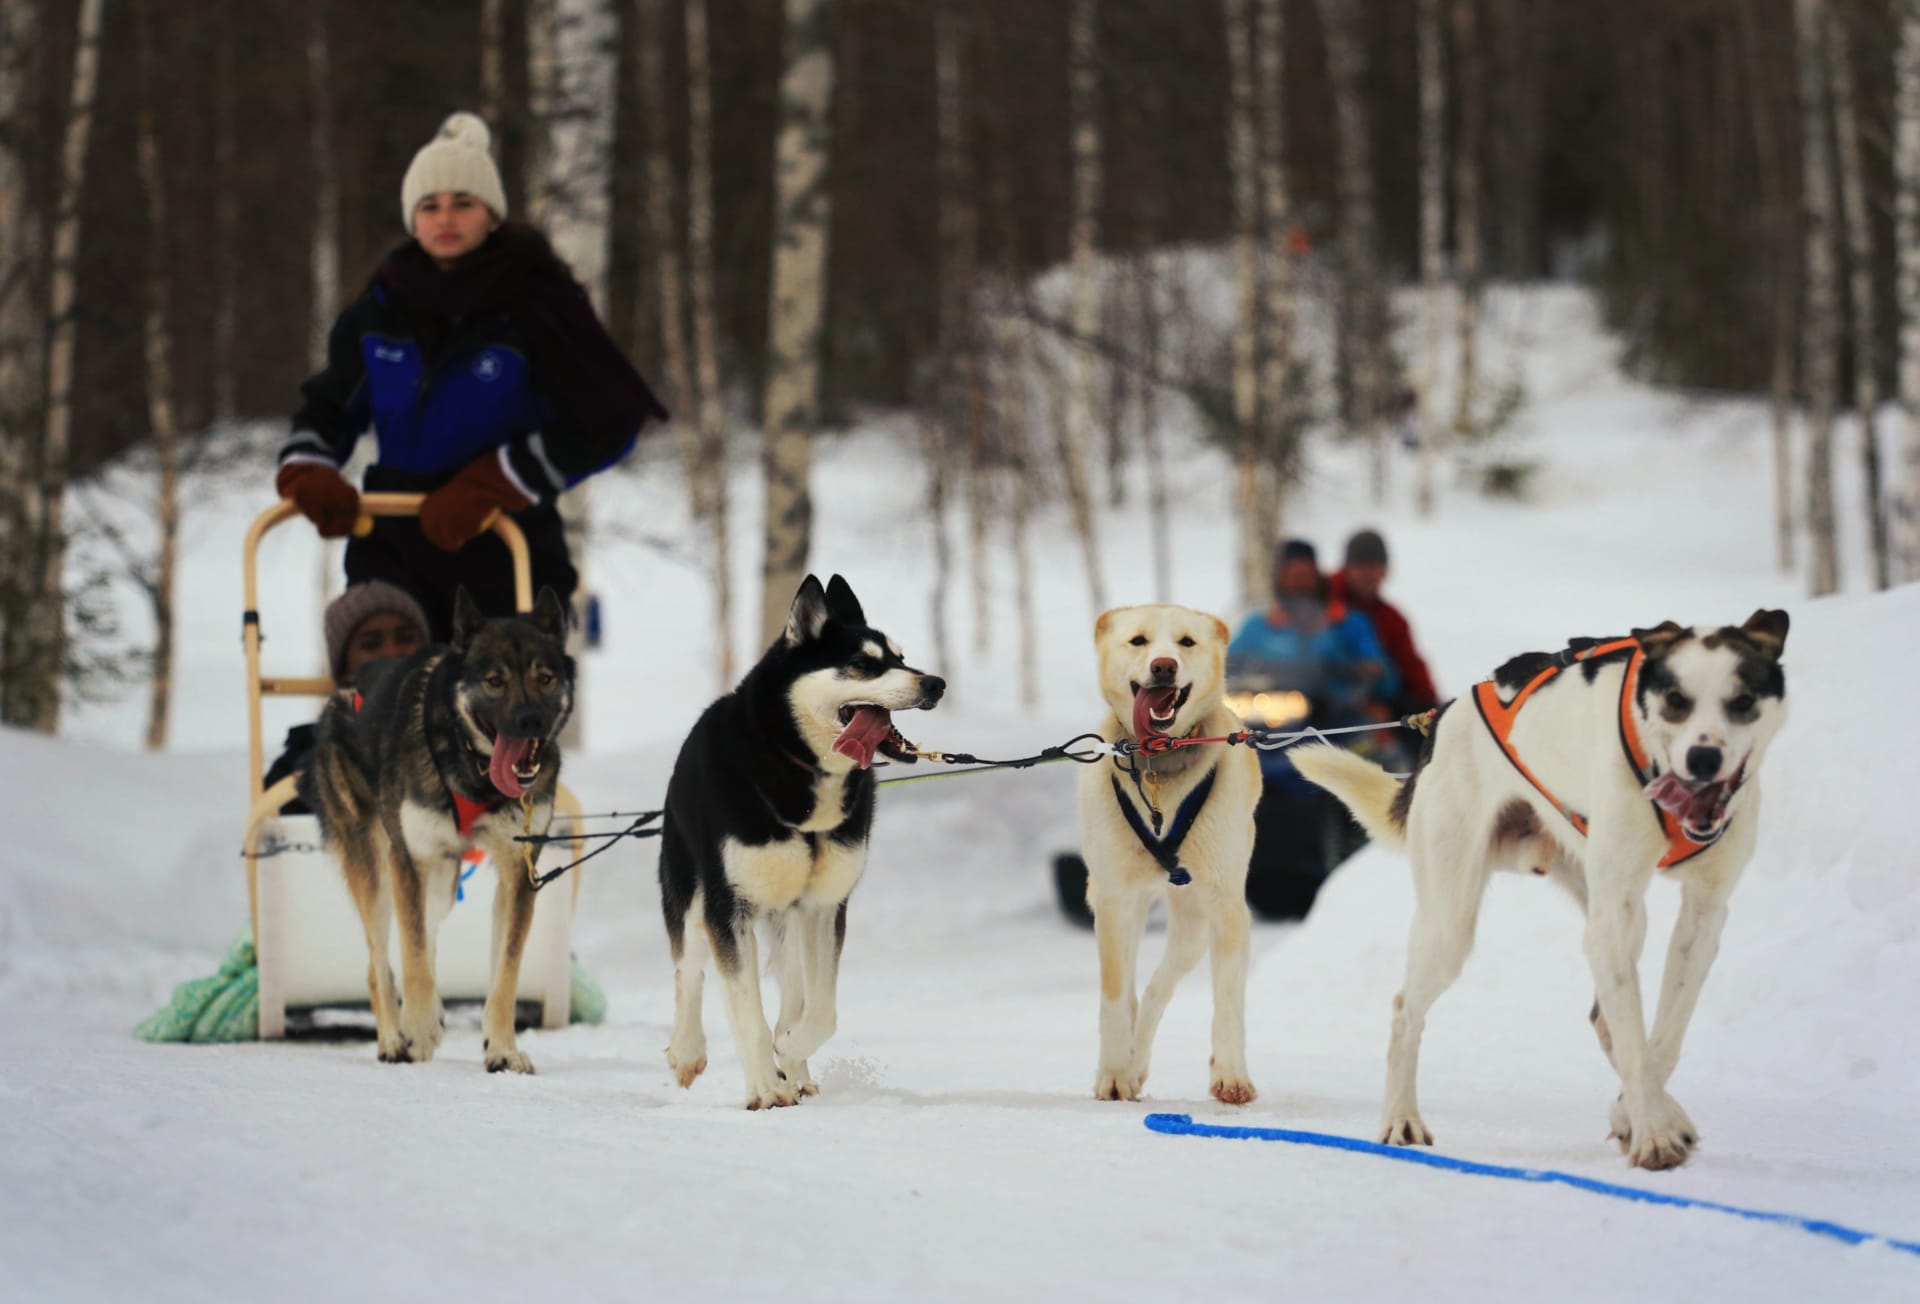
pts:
pixel 1703 762
pixel 931 686
pixel 528 724
pixel 1164 669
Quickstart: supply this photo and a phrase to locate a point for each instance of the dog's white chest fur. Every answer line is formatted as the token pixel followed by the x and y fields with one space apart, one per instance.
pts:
pixel 796 869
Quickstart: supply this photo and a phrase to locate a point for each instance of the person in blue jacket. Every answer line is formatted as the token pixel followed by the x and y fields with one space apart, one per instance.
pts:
pixel 489 383
pixel 1306 643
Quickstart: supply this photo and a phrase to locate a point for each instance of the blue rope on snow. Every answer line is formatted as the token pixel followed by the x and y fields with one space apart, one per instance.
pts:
pixel 1183 1125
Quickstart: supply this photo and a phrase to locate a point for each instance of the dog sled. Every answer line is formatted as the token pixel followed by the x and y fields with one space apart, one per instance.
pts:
pixel 310 946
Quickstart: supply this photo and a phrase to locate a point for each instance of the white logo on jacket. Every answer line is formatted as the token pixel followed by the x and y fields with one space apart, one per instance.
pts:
pixel 487 366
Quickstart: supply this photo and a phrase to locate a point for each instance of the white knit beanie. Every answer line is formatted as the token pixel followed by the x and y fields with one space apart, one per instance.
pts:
pixel 455 159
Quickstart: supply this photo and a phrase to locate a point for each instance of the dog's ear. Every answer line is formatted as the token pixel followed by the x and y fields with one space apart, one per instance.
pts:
pixel 1221 631
pixel 467 618
pixel 1105 623
pixel 841 602
pixel 549 614
pixel 1769 630
pixel 809 614
pixel 1660 637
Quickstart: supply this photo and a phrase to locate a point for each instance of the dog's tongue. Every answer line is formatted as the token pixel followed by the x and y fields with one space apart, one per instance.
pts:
pixel 864 734
pixel 1698 808
pixel 1145 703
pixel 507 753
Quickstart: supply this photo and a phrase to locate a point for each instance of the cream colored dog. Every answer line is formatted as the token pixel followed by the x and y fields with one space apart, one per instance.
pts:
pixel 1161 671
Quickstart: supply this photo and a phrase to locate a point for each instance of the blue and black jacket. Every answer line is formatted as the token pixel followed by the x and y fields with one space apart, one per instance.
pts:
pixel 482 391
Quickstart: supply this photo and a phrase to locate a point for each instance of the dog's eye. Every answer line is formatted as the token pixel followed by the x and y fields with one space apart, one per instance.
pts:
pixel 1186 640
pixel 1677 701
pixel 1741 705
pixel 1138 640
pixel 495 682
pixel 544 679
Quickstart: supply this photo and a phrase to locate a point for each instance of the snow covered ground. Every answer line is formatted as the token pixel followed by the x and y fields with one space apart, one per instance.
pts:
pixel 955 1151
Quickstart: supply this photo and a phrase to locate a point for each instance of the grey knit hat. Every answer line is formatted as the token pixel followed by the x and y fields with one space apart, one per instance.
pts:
pixel 455 159
pixel 1366 546
pixel 369 598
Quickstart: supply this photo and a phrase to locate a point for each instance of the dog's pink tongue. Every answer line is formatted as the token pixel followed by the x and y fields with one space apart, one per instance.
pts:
pixel 507 753
pixel 1670 793
pixel 864 734
pixel 1145 703
pixel 1698 808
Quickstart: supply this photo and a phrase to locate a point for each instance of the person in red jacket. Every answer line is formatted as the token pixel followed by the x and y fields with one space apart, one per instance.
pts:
pixel 1358 585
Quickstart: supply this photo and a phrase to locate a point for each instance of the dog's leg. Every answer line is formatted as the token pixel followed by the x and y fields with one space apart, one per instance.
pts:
pixel 817 935
pixel 512 920
pixel 367 881
pixel 420 1017
pixel 736 953
pixel 687 1048
pixel 1690 953
pixel 1186 943
pixel 1649 1124
pixel 1231 926
pixel 1119 920
pixel 1450 876
pixel 795 933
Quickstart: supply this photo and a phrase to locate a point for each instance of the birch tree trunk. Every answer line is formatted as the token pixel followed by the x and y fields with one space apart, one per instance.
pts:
pixel 961 400
pixel 323 261
pixel 1362 316
pixel 1470 74
pixel 712 471
pixel 226 220
pixel 158 340
pixel 1255 554
pixel 1083 54
pixel 1860 268
pixel 39 706
pixel 493 65
pixel 801 223
pixel 1780 203
pixel 1433 236
pixel 1822 325
pixel 1907 216
pixel 1278 451
pixel 664 237
pixel 21 328
pixel 543 98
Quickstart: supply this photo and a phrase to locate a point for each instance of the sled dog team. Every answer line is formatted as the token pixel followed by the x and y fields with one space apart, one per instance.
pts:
pixel 1599 766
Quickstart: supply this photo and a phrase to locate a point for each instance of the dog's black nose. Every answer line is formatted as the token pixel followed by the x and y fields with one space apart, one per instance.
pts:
pixel 528 723
pixel 931 686
pixel 1703 762
pixel 1164 669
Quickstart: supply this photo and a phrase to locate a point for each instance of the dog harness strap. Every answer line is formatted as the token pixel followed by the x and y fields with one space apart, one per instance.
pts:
pixel 1500 717
pixel 466 812
pixel 1167 850
pixel 1681 846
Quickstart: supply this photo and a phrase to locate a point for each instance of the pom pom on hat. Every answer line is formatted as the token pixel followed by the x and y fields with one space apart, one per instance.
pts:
pixel 456 159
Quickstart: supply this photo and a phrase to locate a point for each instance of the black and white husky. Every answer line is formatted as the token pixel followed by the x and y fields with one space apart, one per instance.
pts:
pixel 767 817
pixel 1599 766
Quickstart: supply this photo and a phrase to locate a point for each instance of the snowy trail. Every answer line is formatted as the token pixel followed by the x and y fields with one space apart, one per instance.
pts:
pixel 955 1152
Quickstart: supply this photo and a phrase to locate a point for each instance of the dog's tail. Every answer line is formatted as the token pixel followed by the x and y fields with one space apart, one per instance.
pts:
pixel 1372 794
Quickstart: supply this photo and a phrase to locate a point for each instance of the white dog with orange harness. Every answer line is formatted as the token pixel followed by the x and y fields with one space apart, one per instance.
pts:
pixel 1598 766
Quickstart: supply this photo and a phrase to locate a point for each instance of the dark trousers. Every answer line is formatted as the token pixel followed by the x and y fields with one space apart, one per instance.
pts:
pixel 398 553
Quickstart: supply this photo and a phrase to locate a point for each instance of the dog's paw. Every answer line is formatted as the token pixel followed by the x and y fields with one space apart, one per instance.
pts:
pixel 1233 1089
pixel 687 1064
pixel 1664 1138
pixel 1116 1084
pixel 396 1051
pixel 422 1032
pixel 801 1040
pixel 777 1094
pixel 1406 1130
pixel 799 1077
pixel 508 1061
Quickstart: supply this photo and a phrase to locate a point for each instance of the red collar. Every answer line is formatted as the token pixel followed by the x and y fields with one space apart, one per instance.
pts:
pixel 466 812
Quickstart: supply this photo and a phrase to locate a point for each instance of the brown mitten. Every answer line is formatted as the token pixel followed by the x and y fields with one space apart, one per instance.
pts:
pixel 322 496
pixel 461 509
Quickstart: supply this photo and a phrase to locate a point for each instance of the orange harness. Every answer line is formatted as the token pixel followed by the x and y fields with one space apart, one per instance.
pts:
pixel 1500 717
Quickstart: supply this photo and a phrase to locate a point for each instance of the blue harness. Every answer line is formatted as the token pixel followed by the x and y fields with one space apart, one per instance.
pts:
pixel 1166 850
